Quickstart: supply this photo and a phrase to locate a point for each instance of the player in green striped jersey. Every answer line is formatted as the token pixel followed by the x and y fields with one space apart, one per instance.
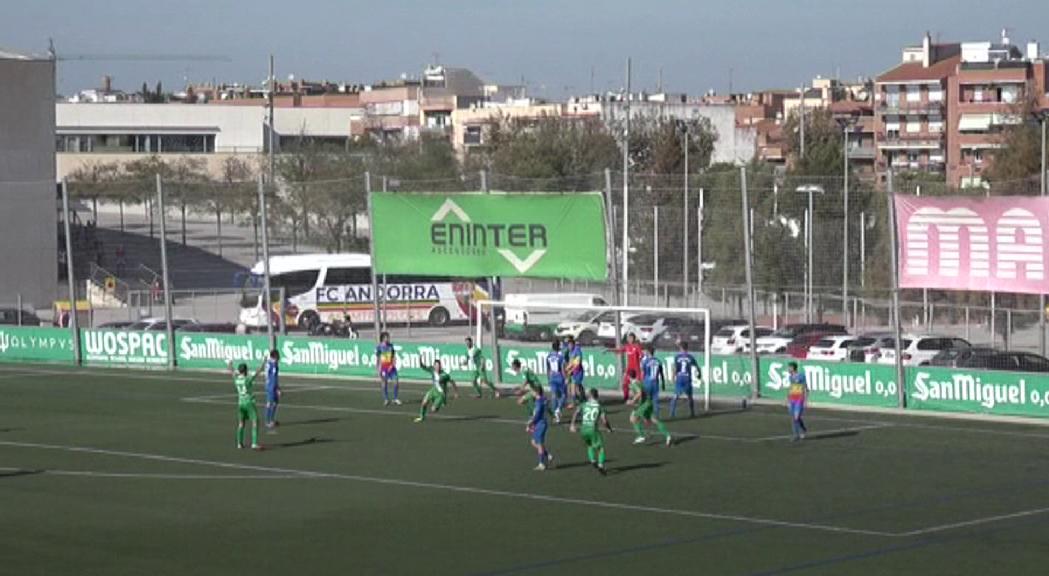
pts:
pixel 593 414
pixel 437 396
pixel 478 376
pixel 246 411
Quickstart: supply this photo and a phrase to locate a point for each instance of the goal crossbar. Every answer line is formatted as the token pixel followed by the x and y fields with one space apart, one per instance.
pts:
pixel 705 376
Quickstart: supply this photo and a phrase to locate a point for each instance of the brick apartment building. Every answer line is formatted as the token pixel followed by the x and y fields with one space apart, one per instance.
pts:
pixel 944 108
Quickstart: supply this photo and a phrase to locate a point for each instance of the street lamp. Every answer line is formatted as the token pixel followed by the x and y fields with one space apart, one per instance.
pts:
pixel 847 124
pixel 809 189
pixel 1043 117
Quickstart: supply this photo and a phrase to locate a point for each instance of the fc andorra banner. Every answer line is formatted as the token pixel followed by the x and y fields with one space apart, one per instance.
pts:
pixel 993 244
pixel 540 235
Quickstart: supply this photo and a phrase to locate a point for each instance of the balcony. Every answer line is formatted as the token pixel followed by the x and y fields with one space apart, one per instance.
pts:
pixel 861 153
pixel 910 140
pixel 905 108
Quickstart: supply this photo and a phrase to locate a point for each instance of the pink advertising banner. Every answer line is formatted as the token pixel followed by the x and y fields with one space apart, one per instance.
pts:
pixel 988 244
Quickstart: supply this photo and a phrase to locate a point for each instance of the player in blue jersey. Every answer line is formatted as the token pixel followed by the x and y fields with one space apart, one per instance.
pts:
pixel 537 428
pixel 272 389
pixel 555 377
pixel 386 361
pixel 684 365
pixel 644 394
pixel 575 372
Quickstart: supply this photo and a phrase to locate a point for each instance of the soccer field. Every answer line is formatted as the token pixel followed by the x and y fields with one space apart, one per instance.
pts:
pixel 121 472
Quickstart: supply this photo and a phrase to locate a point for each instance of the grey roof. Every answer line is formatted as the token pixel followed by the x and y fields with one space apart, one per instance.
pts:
pixel 8 55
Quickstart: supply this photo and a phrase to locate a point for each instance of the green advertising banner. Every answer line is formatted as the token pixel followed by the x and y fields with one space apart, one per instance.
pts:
pixel 32 344
pixel 538 235
pixel 834 382
pixel 980 391
pixel 124 348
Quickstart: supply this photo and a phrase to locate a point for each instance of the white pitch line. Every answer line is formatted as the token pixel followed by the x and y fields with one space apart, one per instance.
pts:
pixel 147 476
pixel 825 433
pixel 217 376
pixel 462 489
pixel 975 522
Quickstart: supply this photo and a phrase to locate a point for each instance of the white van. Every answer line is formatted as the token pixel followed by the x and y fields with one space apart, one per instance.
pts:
pixel 525 321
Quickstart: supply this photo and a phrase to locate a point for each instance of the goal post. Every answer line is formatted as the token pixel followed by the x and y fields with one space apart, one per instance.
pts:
pixel 544 320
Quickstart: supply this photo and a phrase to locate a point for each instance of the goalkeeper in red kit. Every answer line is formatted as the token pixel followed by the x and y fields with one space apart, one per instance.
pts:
pixel 633 352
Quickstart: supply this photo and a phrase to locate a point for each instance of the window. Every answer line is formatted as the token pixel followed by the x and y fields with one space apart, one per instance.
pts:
pixel 344 276
pixel 936 125
pixel 185 143
pixel 914 93
pixel 115 143
pixel 914 126
pixel 1010 94
pixel 936 94
pixel 295 283
pixel 472 135
pixel 934 344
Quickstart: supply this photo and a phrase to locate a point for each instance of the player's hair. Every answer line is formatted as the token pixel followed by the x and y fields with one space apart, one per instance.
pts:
pixel 651 349
pixel 683 345
pixel 594 394
pixel 436 363
pixel 274 354
pixel 243 368
pixel 556 345
pixel 631 336
pixel 469 340
pixel 384 336
pixel 516 364
pixel 570 339
pixel 792 365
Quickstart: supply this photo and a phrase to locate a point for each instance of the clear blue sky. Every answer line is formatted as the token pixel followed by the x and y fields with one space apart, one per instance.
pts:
pixel 552 44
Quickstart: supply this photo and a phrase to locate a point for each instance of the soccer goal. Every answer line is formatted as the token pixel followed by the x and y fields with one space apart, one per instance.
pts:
pixel 532 323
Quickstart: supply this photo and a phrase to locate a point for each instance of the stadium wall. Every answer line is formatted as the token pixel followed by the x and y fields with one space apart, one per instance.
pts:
pixel 28 210
pixel 831 383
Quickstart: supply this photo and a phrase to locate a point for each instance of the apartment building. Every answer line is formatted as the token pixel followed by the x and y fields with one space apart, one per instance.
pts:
pixel 945 107
pixel 996 85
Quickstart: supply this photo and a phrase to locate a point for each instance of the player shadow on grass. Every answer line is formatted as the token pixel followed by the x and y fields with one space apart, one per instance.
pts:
pixel 313 421
pixel 2 430
pixel 297 443
pixel 814 436
pixel 19 473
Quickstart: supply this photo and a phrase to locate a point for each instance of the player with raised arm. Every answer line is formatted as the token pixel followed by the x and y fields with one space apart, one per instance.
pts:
pixel 797 396
pixel 684 365
pixel 537 424
pixel 437 396
pixel 245 386
pixel 530 386
pixel 643 398
pixel 272 389
pixel 555 376
pixel 593 415
pixel 632 351
pixel 386 356
pixel 475 360
pixel 575 372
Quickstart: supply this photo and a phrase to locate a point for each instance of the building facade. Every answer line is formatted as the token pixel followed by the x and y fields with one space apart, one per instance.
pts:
pixel 28 210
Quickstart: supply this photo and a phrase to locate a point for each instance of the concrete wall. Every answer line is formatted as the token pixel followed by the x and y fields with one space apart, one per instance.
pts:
pixel 28 215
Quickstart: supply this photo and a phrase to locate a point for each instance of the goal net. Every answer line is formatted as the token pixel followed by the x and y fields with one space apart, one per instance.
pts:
pixel 526 325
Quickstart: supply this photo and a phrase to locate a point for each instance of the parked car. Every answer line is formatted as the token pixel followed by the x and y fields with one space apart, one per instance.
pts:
pixel 690 329
pixel 734 338
pixel 525 319
pixel 799 346
pixel 990 359
pixel 212 328
pixel 648 327
pixel 158 324
pixel 832 348
pixel 11 317
pixel 118 325
pixel 919 350
pixel 776 343
pixel 584 327
pixel 606 329
pixel 867 347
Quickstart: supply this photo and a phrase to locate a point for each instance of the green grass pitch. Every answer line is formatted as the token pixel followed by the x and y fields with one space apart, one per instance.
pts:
pixel 124 472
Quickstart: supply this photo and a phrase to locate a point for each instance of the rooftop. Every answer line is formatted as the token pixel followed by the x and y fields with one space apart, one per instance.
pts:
pixel 915 72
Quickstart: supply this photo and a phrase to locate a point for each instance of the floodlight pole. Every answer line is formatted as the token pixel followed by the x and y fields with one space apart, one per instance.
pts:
pixel 755 367
pixel 74 326
pixel 371 251
pixel 901 382
pixel 1044 117
pixel 267 297
pixel 684 219
pixel 169 320
pixel 845 232
pixel 626 191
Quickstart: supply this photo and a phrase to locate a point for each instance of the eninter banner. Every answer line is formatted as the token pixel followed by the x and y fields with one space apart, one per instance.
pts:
pixel 989 244
pixel 538 235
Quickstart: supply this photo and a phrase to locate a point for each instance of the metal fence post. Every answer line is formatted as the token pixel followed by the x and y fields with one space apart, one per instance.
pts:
pixel 74 324
pixel 168 317
pixel 610 233
pixel 900 375
pixel 699 249
pixel 655 255
pixel 371 251
pixel 994 332
pixel 283 295
pixel 267 296
pixel 755 385
pixel 684 249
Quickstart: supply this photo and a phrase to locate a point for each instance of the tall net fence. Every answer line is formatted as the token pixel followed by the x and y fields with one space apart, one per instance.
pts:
pixel 821 251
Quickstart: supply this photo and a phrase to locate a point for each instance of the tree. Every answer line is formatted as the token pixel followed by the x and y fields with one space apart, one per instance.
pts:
pixel 823 144
pixel 93 180
pixel 1017 163
pixel 235 189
